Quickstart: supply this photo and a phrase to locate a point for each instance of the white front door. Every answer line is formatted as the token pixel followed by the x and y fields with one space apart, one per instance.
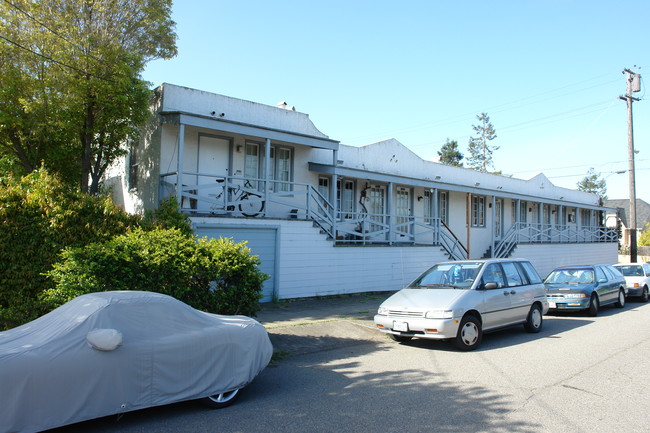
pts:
pixel 213 160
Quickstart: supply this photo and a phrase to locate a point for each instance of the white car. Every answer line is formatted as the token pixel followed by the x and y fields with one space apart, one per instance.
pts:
pixel 637 278
pixel 460 300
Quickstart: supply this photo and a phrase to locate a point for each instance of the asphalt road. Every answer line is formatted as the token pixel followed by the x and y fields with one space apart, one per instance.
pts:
pixel 580 374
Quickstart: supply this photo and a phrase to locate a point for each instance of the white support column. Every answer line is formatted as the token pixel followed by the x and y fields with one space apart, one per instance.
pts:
pixel 267 169
pixel 179 175
pixel 389 210
pixel 493 223
pixel 435 215
pixel 333 191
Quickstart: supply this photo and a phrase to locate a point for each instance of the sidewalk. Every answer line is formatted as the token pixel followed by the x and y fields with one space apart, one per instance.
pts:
pixel 301 326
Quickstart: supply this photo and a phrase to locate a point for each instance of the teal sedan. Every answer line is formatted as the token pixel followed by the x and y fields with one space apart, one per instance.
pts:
pixel 585 288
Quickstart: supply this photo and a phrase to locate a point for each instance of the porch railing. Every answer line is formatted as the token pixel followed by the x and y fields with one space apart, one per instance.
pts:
pixel 531 233
pixel 211 195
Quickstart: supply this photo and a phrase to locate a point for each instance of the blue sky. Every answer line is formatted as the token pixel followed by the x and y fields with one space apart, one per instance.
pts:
pixel 548 73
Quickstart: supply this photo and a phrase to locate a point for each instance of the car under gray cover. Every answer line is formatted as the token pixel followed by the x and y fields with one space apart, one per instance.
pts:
pixel 163 351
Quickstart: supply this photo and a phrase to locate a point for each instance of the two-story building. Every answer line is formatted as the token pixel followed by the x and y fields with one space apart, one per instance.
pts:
pixel 326 218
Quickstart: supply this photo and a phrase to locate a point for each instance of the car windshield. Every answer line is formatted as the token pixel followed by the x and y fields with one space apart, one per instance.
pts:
pixel 448 275
pixel 571 276
pixel 631 271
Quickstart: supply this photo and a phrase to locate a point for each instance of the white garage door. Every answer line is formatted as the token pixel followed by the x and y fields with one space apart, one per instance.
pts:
pixel 261 241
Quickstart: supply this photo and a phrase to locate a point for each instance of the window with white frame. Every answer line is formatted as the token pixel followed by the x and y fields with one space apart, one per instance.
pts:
pixel 402 209
pixel 478 211
pixel 585 217
pixel 443 206
pixel 345 198
pixel 252 162
pixel 280 165
pixel 324 187
pixel 283 161
pixel 376 207
pixel 427 202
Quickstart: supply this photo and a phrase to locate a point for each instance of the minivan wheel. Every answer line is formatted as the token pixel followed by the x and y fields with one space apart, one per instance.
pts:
pixel 644 294
pixel 593 306
pixel 469 333
pixel 533 322
pixel 621 299
pixel 400 338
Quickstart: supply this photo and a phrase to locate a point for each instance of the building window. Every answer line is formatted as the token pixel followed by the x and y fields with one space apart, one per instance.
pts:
pixel 252 162
pixel 402 209
pixel 443 206
pixel 345 198
pixel 280 165
pixel 324 187
pixel 376 196
pixel 478 211
pixel 585 217
pixel 427 201
pixel 283 161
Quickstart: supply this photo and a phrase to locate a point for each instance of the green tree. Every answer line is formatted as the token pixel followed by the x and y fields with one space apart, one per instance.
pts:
pixel 593 183
pixel 479 147
pixel 70 81
pixel 39 216
pixel 643 239
pixel 450 155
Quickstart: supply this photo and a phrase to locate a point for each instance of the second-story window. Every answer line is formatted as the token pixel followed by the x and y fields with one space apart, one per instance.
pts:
pixel 345 198
pixel 252 162
pixel 284 168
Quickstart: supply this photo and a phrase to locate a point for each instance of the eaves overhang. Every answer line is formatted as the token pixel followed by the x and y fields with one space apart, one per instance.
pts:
pixel 424 183
pixel 217 124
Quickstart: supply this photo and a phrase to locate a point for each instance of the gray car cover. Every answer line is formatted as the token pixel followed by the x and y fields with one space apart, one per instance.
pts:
pixel 112 352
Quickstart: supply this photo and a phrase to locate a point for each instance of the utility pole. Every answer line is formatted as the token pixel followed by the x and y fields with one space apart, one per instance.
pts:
pixel 633 85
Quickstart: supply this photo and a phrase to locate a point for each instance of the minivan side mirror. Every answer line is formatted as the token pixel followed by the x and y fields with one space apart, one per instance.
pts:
pixel 490 286
pixel 602 280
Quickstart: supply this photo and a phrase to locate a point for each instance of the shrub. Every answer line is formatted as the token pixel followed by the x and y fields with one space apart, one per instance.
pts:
pixel 39 216
pixel 214 275
pixel 168 216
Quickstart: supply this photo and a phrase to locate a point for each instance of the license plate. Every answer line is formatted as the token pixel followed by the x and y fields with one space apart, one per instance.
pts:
pixel 400 326
pixel 552 305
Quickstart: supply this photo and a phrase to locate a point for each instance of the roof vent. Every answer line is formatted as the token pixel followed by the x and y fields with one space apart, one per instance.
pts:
pixel 283 105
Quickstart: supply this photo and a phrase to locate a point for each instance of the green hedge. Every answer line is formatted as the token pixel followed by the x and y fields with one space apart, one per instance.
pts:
pixel 214 275
pixel 39 216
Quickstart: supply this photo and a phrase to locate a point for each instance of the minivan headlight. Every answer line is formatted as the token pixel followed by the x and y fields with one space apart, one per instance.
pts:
pixel 383 311
pixel 439 314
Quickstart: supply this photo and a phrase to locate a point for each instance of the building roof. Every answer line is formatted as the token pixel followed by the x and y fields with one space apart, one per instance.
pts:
pixel 623 210
pixel 390 160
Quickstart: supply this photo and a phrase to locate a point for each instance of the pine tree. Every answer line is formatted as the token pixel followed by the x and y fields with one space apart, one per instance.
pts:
pixel 594 184
pixel 479 148
pixel 450 155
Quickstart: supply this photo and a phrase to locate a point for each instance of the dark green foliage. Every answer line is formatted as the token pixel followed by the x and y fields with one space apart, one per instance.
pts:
pixel 450 155
pixel 213 275
pixel 39 216
pixel 168 216
pixel 107 249
pixel 595 184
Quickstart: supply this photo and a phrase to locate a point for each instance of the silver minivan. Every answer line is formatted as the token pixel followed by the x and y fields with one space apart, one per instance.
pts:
pixel 460 300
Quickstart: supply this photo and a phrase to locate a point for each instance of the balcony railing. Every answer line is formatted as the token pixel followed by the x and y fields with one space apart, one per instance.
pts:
pixel 211 195
pixel 530 233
